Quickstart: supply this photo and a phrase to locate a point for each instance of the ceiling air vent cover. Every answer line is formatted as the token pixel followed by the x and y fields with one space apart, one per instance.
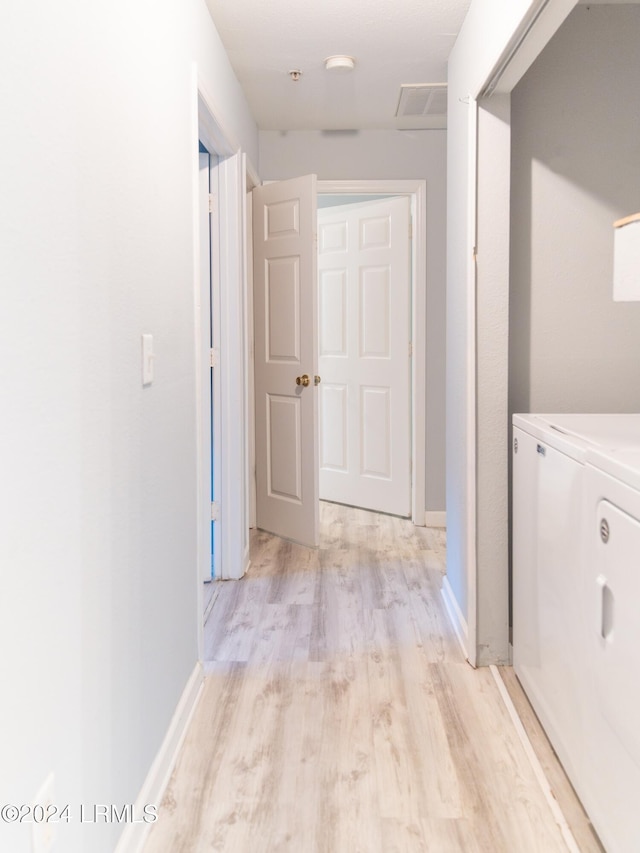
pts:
pixel 420 100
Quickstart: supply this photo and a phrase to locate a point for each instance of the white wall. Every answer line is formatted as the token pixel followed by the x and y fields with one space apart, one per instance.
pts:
pixel 98 622
pixel 576 151
pixel 492 347
pixel 475 400
pixel 387 154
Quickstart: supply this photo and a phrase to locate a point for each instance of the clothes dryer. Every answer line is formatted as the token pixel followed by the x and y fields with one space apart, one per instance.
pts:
pixel 552 616
pixel 611 787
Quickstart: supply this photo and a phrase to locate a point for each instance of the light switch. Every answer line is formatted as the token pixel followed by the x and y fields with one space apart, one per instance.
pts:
pixel 147 359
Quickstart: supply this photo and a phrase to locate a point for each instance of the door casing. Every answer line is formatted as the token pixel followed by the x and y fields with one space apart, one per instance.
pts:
pixel 416 190
pixel 234 173
pixel 208 325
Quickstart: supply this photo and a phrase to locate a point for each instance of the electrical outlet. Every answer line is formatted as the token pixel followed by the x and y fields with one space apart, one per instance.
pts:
pixel 44 831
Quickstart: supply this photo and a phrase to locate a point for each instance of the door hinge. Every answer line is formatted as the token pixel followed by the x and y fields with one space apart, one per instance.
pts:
pixel 215 510
pixel 411 229
pixel 410 349
pixel 212 202
pixel 214 358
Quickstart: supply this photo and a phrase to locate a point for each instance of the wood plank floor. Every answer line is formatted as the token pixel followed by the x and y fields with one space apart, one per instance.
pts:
pixel 338 713
pixel 208 590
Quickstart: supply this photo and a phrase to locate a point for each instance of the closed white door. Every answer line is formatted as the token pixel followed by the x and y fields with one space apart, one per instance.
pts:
pixel 364 356
pixel 285 324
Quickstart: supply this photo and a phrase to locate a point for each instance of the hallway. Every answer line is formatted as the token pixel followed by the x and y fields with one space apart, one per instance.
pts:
pixel 339 715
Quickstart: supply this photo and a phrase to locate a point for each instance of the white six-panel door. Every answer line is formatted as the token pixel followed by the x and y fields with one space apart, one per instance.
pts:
pixel 285 322
pixel 364 360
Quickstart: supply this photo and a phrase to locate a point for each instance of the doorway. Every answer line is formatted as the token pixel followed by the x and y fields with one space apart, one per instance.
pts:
pixel 415 191
pixel 276 219
pixel 219 265
pixel 364 340
pixel 209 327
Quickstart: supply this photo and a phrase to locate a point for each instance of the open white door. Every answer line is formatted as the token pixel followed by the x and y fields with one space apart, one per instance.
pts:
pixel 285 323
pixel 365 322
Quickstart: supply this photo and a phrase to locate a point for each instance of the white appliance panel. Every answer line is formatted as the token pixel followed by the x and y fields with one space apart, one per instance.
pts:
pixel 612 591
pixel 617 595
pixel 576 604
pixel 548 611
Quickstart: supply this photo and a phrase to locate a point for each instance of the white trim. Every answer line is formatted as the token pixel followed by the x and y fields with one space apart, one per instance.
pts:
pixel 535 31
pixel 233 519
pixel 520 53
pixel 538 771
pixel 251 408
pixel 417 191
pixel 135 835
pixel 373 187
pixel 212 392
pixel 435 518
pixel 456 617
pixel 201 535
pixel 205 128
pixel 247 357
pixel 206 309
pixel 231 549
pixel 537 27
pixel 215 135
pixel 472 379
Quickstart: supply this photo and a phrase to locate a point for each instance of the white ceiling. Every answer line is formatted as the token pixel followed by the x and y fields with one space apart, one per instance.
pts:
pixel 393 42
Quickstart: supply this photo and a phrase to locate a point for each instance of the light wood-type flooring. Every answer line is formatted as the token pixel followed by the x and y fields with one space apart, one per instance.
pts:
pixel 338 714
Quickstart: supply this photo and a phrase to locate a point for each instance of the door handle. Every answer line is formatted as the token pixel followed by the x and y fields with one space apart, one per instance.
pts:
pixel 303 380
pixel 605 608
pixel 317 380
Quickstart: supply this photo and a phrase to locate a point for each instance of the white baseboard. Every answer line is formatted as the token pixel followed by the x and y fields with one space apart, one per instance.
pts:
pixel 458 622
pixel 434 518
pixel 134 836
pixel 536 766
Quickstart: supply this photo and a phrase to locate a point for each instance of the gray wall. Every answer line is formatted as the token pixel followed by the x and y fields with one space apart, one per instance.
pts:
pixel 492 358
pixel 575 169
pixel 387 154
pixel 474 398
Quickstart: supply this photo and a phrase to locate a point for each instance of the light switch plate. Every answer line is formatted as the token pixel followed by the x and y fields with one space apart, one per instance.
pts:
pixel 147 359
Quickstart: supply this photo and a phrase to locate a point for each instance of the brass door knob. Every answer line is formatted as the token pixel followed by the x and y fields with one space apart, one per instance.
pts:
pixel 303 380
pixel 317 380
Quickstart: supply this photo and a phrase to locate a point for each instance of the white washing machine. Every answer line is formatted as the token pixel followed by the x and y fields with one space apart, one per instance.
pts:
pixel 612 594
pixel 553 611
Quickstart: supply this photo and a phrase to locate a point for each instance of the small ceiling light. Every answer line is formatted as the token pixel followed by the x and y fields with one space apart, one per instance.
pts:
pixel 295 75
pixel 339 63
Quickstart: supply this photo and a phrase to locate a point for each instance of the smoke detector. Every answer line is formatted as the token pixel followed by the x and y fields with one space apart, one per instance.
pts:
pixel 340 63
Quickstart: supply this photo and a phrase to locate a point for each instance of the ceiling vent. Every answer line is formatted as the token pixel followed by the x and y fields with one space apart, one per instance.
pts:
pixel 421 100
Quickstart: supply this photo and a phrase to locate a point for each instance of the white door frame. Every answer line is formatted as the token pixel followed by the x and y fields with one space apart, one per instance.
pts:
pixel 230 441
pixel 208 312
pixel 416 190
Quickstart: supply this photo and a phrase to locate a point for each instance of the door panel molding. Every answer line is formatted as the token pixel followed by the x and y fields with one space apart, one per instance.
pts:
pixel 285 349
pixel 376 363
pixel 416 190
